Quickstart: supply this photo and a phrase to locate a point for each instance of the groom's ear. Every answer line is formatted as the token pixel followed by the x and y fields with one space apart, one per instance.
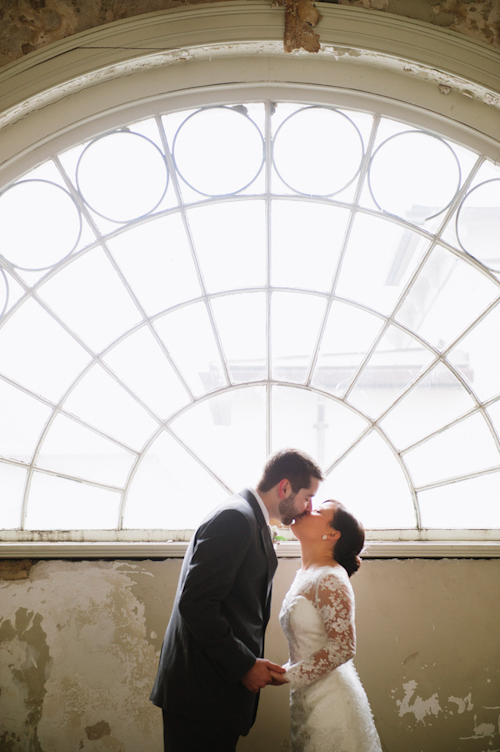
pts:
pixel 283 488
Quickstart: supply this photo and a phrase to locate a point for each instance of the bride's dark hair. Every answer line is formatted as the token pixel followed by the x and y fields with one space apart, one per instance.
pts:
pixel 351 541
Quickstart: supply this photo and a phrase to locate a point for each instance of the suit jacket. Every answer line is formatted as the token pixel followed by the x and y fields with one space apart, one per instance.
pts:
pixel 219 616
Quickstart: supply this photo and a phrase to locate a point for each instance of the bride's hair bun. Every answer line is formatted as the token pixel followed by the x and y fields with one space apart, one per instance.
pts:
pixel 351 541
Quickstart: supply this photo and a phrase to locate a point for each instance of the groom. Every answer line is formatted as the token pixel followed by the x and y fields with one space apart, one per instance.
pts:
pixel 211 665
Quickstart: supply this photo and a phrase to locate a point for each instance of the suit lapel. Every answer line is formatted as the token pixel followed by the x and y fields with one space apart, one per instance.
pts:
pixel 272 561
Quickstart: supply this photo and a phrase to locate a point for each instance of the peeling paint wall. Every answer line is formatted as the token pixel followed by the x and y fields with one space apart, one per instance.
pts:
pixel 77 657
pixel 79 645
pixel 27 25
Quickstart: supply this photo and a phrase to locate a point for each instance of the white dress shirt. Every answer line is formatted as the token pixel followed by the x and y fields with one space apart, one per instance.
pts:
pixel 265 511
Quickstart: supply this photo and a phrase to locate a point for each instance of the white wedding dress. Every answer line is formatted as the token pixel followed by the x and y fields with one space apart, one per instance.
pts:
pixel 329 707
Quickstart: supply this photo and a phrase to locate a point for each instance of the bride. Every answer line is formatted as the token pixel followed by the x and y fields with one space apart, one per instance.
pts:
pixel 329 707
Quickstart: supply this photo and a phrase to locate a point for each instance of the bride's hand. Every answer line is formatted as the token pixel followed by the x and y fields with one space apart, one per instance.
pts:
pixel 278 679
pixel 262 673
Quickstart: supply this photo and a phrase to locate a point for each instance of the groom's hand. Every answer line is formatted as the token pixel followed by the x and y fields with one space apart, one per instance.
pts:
pixel 262 673
pixel 278 679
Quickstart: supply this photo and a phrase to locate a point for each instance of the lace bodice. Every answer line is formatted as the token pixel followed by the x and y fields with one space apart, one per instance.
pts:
pixel 323 637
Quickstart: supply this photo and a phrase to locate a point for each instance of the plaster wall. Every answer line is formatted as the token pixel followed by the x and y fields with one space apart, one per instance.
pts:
pixel 28 25
pixel 79 645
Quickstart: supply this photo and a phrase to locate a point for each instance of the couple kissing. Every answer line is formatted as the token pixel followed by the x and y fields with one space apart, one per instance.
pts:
pixel 212 667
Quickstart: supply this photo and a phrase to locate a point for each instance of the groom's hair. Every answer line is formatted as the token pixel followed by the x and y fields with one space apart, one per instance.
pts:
pixel 290 464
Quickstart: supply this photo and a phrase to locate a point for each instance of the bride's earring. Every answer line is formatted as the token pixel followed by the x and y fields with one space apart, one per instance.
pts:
pixel 325 537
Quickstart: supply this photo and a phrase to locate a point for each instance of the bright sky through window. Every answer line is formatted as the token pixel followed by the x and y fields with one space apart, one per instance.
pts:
pixel 196 290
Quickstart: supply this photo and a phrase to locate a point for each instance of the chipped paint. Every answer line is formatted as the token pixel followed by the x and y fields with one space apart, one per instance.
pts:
pixel 99 661
pixel 463 705
pixel 26 667
pixel 300 17
pixel 419 707
pixel 203 53
pixel 15 569
pixel 482 730
pixel 98 731
pixel 25 27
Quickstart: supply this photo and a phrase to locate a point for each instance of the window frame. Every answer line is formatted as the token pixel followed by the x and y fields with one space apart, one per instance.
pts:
pixel 69 91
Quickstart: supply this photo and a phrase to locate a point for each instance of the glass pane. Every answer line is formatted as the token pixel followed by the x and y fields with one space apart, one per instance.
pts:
pixel 91 299
pixel 228 433
pixel 310 421
pixel 241 321
pixel 157 263
pixel 333 160
pixel 230 242
pixel 404 179
pixel 100 401
pixel 37 352
pixel 467 447
pixel 477 357
pixel 189 338
pixel 165 492
pixel 12 482
pixel 380 258
pixel 446 297
pixel 39 224
pixel 478 223
pixel 22 419
pixel 122 176
pixel 468 504
pixel 306 240
pixel 142 365
pixel 348 336
pixel 396 361
pixel 371 483
pixel 59 504
pixel 295 326
pixel 218 151
pixel 72 449
pixel 436 400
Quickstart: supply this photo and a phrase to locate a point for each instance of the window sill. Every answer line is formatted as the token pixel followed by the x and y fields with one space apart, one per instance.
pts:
pixel 375 549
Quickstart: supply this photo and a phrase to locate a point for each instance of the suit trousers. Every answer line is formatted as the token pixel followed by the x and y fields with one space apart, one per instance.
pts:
pixel 181 734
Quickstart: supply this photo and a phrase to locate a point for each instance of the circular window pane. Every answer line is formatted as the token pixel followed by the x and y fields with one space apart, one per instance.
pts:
pixel 328 149
pixel 414 175
pixel 478 223
pixel 39 224
pixel 122 176
pixel 218 151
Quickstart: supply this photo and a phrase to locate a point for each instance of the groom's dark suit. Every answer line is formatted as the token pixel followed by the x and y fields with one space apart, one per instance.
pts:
pixel 219 616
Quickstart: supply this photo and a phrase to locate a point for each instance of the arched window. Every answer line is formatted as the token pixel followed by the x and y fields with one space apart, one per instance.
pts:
pixel 187 292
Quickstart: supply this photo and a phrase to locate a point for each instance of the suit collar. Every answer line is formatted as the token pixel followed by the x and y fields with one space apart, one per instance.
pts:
pixel 265 535
pixel 261 504
pixel 248 496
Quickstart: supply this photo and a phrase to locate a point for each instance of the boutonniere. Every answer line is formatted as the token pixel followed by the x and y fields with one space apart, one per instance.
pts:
pixel 276 536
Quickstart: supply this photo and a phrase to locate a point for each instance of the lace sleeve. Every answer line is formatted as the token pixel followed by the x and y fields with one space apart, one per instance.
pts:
pixel 334 601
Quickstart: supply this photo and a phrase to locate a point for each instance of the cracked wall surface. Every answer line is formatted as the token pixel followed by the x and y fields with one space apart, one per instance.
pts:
pixel 28 25
pixel 80 641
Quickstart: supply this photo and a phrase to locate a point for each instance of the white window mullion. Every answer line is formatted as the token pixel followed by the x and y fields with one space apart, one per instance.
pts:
pixel 268 173
pixel 182 207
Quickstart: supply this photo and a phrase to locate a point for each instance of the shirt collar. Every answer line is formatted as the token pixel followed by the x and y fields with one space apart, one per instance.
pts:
pixel 261 504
